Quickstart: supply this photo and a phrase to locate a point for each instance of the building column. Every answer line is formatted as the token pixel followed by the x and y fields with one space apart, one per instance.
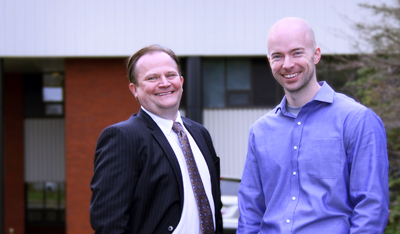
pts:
pixel 13 154
pixel 1 147
pixel 194 89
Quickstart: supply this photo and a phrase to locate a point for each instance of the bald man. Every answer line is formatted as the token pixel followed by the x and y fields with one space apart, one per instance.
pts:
pixel 317 162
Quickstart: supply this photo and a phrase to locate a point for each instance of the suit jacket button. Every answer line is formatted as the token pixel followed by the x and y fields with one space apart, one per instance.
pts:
pixel 170 228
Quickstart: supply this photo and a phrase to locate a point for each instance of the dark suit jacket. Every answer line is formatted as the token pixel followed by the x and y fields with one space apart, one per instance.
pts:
pixel 137 183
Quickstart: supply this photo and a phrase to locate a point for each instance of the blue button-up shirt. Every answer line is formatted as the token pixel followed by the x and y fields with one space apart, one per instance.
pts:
pixel 324 171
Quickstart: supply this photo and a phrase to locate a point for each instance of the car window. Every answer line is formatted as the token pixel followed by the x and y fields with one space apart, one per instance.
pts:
pixel 230 187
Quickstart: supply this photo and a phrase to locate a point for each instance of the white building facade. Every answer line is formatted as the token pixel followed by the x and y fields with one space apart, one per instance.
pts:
pixel 55 30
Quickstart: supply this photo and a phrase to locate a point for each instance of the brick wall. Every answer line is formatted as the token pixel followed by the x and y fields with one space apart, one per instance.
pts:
pixel 14 205
pixel 96 96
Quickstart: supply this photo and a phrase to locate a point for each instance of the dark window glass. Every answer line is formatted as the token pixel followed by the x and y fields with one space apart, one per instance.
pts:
pixel 239 99
pixel 45 203
pixel 238 74
pixel 44 95
pixel 214 83
pixel 54 109
pixel 239 82
pixel 266 91
pixel 35 196
pixel 183 104
pixel 33 102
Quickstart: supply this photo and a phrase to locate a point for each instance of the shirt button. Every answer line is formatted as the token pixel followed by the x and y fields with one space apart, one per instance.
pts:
pixel 298 123
pixel 293 198
pixel 295 147
pixel 287 220
pixel 170 228
pixel 294 173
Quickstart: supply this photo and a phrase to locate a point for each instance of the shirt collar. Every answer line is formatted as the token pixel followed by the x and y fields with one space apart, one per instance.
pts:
pixel 164 124
pixel 324 94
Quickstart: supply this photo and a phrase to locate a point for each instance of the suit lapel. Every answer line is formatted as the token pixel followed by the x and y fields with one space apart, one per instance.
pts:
pixel 197 136
pixel 165 146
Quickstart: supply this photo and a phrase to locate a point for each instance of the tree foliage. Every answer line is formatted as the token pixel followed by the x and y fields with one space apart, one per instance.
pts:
pixel 377 85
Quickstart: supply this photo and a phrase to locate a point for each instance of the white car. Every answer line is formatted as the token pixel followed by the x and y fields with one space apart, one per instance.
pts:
pixel 230 209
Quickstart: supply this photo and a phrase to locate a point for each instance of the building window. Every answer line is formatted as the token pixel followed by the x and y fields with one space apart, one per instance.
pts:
pixel 238 82
pixel 44 95
pixel 53 94
pixel 45 203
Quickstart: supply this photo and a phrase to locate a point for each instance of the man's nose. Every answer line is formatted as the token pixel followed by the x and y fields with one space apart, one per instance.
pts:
pixel 164 81
pixel 288 62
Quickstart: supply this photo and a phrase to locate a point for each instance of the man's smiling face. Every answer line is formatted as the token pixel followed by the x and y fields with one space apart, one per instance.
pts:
pixel 159 88
pixel 293 56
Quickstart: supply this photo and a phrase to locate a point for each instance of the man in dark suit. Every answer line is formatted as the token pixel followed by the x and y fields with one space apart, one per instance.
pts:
pixel 141 182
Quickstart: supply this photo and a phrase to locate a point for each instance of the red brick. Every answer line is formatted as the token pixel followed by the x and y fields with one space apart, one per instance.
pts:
pixel 96 96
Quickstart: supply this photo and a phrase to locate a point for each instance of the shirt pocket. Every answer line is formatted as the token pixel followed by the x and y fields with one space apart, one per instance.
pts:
pixel 324 158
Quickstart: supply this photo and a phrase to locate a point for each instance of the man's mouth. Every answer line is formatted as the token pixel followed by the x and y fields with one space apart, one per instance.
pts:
pixel 162 94
pixel 291 75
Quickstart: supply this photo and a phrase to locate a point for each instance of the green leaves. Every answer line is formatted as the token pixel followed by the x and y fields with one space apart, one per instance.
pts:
pixel 377 85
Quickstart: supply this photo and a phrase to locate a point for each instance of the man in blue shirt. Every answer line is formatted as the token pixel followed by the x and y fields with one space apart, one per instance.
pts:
pixel 317 163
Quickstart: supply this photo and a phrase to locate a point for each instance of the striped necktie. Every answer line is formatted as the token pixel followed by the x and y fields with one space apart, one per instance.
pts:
pixel 203 206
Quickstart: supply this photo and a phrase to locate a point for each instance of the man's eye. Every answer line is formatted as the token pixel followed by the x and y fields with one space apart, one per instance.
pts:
pixel 151 78
pixel 275 57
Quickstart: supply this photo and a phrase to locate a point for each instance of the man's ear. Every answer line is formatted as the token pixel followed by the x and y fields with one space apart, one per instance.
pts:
pixel 133 89
pixel 182 80
pixel 317 55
